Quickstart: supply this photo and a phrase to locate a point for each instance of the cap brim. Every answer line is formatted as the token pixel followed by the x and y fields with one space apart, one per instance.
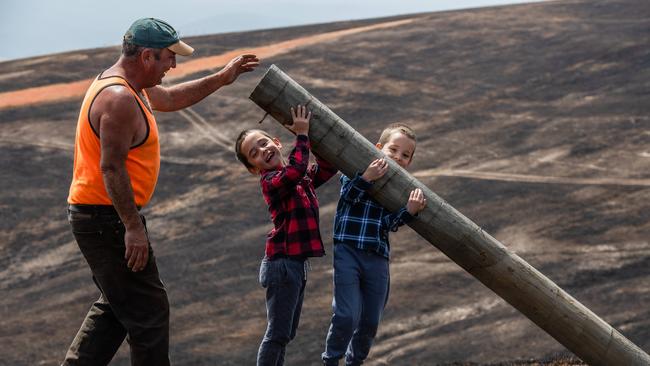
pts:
pixel 181 48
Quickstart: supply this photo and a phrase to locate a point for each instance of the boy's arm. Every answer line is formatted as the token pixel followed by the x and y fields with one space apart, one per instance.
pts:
pixel 281 182
pixel 393 220
pixel 414 205
pixel 352 190
pixel 321 172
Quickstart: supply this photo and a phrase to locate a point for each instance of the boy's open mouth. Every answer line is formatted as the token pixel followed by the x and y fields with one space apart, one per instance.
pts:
pixel 269 156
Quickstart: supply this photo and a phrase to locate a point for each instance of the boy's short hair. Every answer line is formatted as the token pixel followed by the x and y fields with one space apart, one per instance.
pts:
pixel 396 127
pixel 242 156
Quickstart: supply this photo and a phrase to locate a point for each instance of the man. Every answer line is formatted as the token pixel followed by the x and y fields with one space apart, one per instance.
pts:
pixel 116 164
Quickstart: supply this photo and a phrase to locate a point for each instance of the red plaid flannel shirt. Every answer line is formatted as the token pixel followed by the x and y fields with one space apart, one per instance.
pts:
pixel 293 205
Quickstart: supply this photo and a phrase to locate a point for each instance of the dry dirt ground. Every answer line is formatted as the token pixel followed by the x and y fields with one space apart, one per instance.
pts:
pixel 532 120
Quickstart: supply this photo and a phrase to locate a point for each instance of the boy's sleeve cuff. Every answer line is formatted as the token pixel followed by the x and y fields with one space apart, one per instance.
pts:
pixel 361 183
pixel 406 216
pixel 302 138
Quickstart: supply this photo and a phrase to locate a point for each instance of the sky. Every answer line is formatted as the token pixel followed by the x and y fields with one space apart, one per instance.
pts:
pixel 39 27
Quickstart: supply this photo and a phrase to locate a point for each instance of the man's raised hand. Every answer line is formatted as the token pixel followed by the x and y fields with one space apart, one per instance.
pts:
pixel 238 66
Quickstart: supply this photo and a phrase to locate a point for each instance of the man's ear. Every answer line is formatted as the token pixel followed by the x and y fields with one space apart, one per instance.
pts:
pixel 146 55
pixel 277 142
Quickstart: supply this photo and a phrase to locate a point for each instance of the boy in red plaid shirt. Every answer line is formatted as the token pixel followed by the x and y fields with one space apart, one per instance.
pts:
pixel 288 189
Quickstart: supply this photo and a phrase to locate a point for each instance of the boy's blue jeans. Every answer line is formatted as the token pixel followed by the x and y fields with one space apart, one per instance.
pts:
pixel 361 283
pixel 284 280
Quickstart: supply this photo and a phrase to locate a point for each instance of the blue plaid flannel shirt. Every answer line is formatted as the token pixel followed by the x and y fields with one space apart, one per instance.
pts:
pixel 361 221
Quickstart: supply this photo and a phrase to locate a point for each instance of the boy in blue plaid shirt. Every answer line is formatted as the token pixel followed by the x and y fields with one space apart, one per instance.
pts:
pixel 362 251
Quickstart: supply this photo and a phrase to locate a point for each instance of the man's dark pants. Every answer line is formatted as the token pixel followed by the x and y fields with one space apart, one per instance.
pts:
pixel 284 280
pixel 131 304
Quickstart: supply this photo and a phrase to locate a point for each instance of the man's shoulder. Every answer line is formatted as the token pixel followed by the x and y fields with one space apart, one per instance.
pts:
pixel 118 93
pixel 115 98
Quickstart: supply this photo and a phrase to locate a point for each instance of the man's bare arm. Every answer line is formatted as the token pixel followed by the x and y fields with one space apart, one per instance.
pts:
pixel 119 116
pixel 173 98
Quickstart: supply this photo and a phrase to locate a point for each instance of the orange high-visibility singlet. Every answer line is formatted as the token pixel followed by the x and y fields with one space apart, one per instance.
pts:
pixel 142 161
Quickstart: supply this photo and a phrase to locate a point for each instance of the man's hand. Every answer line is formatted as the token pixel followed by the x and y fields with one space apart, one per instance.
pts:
pixel 375 170
pixel 137 248
pixel 416 202
pixel 238 66
pixel 179 96
pixel 301 118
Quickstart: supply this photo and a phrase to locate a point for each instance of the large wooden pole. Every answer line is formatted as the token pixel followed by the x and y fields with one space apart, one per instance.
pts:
pixel 505 273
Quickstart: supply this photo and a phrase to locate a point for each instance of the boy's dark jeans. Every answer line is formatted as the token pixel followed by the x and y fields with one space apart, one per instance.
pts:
pixel 361 287
pixel 131 304
pixel 284 280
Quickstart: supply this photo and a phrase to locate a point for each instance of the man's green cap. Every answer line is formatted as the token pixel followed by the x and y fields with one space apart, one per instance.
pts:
pixel 155 33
